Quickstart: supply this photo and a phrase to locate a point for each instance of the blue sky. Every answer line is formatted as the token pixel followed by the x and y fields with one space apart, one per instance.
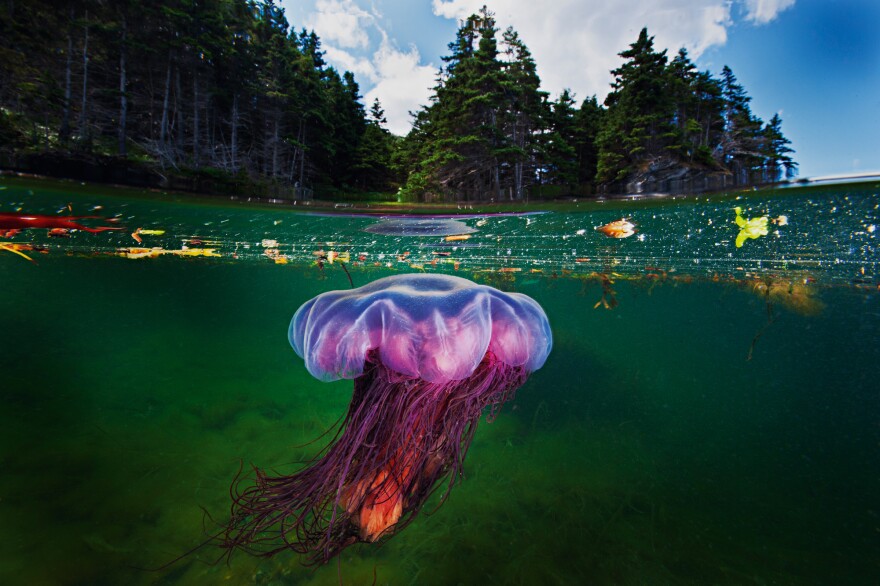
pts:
pixel 815 62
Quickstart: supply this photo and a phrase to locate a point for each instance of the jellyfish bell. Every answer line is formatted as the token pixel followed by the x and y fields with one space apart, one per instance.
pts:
pixel 428 355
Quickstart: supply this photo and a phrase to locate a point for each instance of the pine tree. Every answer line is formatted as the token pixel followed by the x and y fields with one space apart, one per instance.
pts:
pixel 372 171
pixel 476 140
pixel 740 148
pixel 466 127
pixel 559 156
pixel 696 111
pixel 638 125
pixel 348 126
pixel 524 116
pixel 777 161
pixel 588 121
pixel 229 87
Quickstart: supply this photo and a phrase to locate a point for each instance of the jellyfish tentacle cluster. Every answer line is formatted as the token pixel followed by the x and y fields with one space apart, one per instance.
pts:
pixel 429 354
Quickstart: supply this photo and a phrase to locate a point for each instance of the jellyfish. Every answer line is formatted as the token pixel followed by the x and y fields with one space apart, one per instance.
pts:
pixel 428 355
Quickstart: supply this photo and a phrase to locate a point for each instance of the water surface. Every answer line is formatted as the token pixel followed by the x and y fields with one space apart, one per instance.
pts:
pixel 714 420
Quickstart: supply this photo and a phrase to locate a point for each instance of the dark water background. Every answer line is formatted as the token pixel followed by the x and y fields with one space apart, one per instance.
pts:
pixel 648 450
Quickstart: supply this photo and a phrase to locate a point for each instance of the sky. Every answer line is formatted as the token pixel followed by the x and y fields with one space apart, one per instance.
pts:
pixel 814 62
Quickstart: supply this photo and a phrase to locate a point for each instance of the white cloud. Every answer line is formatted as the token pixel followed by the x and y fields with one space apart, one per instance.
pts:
pixel 575 42
pixel 343 60
pixel 341 22
pixel 403 84
pixel 763 11
pixel 398 78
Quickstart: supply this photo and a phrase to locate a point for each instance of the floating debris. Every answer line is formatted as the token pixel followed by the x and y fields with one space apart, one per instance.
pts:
pixel 751 228
pixel 17 249
pixel 196 241
pixel 621 228
pixel 141 252
pixel 137 234
pixel 330 256
pixel 156 252
pixel 12 223
pixel 195 252
pixel 276 256
pixel 445 244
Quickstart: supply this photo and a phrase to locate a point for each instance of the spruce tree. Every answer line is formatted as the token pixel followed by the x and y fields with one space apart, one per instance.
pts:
pixel 372 170
pixel 777 160
pixel 588 121
pixel 638 125
pixel 525 112
pixel 740 147
pixel 559 154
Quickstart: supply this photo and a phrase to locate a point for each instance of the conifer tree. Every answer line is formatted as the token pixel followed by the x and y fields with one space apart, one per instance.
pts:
pixel 524 116
pixel 560 165
pixel 777 161
pixel 588 121
pixel 373 167
pixel 227 87
pixel 638 126
pixel 476 140
pixel 740 146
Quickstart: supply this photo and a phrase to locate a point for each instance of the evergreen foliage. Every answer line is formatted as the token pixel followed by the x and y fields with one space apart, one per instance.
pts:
pixel 491 133
pixel 228 87
pixel 225 86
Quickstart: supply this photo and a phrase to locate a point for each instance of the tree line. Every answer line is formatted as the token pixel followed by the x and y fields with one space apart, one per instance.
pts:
pixel 229 89
pixel 211 86
pixel 491 132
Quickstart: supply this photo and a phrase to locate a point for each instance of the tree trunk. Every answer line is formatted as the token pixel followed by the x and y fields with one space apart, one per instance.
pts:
pixel 83 112
pixel 267 140
pixel 163 126
pixel 64 132
pixel 518 165
pixel 233 151
pixel 123 101
pixel 297 152
pixel 302 159
pixel 275 134
pixel 196 120
pixel 178 115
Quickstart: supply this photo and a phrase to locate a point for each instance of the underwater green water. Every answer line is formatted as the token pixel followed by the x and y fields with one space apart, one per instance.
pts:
pixel 649 449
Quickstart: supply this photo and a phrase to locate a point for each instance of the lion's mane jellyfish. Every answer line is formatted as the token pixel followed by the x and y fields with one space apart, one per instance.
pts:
pixel 428 354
